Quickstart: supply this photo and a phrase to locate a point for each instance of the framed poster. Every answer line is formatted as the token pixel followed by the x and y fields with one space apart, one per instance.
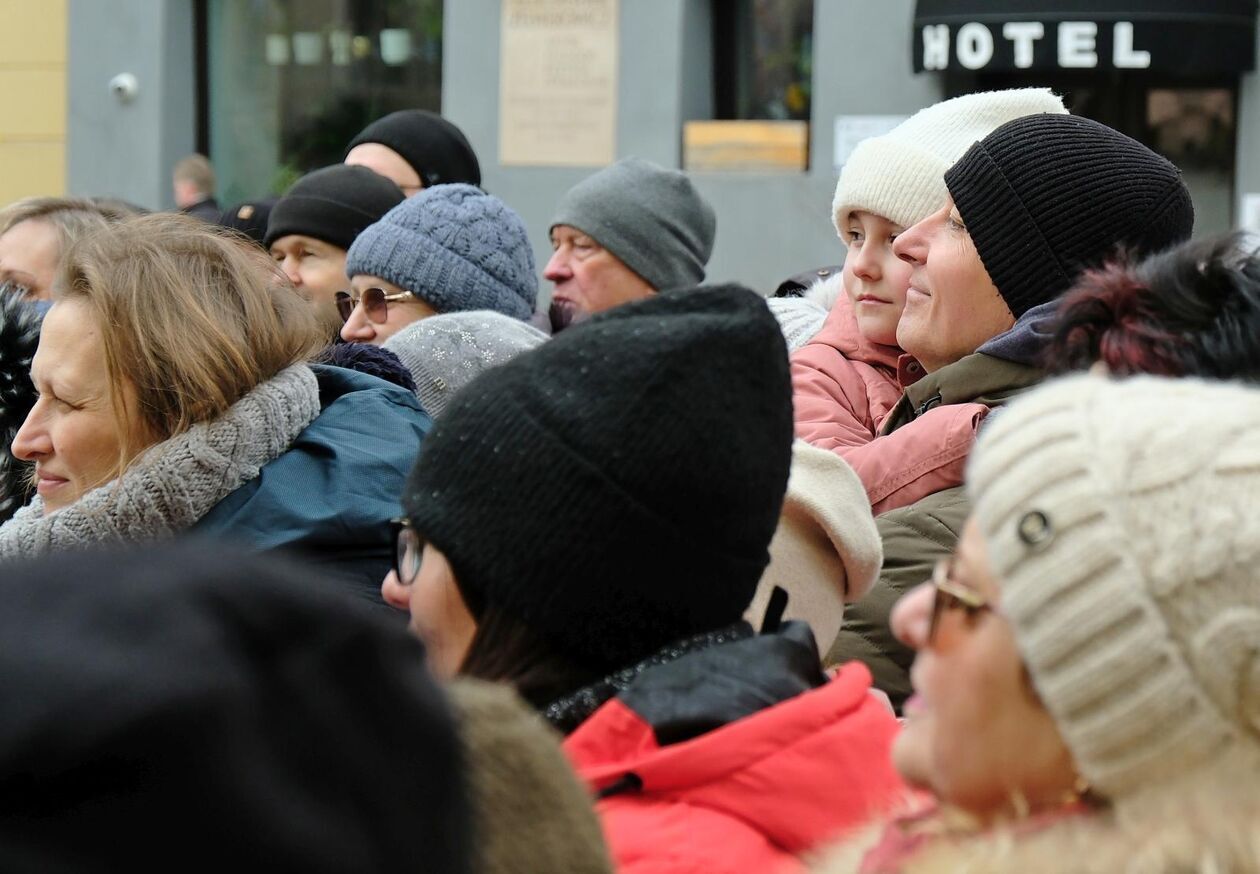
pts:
pixel 558 82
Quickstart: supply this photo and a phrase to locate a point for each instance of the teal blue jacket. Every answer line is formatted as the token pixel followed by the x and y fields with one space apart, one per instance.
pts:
pixel 330 497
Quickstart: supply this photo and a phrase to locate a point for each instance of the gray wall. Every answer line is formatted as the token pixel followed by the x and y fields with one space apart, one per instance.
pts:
pixel 128 150
pixel 769 226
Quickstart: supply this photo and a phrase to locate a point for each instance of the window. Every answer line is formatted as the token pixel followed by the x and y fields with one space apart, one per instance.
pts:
pixel 292 81
pixel 762 64
pixel 763 55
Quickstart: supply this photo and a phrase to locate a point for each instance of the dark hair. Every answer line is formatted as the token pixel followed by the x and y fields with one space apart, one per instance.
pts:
pixel 506 650
pixel 1193 310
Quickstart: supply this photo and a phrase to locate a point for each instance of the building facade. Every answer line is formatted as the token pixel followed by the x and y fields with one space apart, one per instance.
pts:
pixel 759 99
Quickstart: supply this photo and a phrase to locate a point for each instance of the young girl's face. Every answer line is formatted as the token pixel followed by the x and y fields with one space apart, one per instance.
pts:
pixel 874 278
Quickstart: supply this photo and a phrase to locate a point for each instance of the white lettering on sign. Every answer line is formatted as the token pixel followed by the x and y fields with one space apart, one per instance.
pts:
pixel 936 46
pixel 1023 34
pixel 1124 56
pixel 975 46
pixel 1077 40
pixel 1077 45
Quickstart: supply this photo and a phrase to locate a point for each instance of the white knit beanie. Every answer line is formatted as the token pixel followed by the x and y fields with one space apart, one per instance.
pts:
pixel 445 352
pixel 826 550
pixel 1121 523
pixel 901 175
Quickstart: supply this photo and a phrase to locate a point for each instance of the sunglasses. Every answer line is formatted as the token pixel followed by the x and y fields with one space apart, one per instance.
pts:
pixel 951 595
pixel 408 548
pixel 375 303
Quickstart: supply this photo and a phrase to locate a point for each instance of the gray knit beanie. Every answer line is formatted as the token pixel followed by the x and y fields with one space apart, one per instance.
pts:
pixel 652 219
pixel 444 353
pixel 1121 523
pixel 454 247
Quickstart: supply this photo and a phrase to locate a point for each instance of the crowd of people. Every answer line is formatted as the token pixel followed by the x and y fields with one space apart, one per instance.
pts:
pixel 327 545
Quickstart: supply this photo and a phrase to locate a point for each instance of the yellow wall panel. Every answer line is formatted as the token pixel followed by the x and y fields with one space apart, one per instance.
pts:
pixel 34 104
pixel 33 33
pixel 31 168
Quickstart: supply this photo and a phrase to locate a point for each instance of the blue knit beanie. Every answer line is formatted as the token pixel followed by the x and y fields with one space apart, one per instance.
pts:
pixel 454 247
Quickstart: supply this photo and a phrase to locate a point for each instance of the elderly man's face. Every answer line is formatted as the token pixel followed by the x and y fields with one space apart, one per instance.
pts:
pixel 588 278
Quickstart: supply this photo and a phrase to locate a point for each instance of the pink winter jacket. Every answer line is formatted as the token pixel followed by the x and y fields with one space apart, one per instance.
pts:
pixel 843 388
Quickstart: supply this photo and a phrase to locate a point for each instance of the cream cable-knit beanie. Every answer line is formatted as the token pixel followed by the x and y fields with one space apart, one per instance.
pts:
pixel 901 175
pixel 1121 524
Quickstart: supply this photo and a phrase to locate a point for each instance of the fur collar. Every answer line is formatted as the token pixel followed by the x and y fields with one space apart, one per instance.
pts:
pixel 1206 823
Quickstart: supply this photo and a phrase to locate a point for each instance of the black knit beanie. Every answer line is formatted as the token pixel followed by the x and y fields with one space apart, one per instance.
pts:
pixel 238 707
pixel 436 149
pixel 1047 196
pixel 249 217
pixel 616 488
pixel 333 204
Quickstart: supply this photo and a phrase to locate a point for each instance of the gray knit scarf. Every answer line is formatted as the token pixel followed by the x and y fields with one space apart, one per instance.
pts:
pixel 175 482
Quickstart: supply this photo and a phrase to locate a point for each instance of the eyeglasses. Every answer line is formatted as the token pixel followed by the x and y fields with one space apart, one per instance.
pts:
pixel 374 300
pixel 407 550
pixel 952 596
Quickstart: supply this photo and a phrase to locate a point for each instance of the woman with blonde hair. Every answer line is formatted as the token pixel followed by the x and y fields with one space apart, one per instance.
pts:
pixel 173 396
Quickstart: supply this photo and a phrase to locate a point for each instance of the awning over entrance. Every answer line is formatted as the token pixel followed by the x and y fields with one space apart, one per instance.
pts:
pixel 1171 36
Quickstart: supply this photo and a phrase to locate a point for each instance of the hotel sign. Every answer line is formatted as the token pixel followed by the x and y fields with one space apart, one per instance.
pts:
pixel 1215 37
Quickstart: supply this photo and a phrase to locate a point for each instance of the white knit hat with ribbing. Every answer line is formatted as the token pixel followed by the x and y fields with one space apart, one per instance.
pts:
pixel 901 175
pixel 1121 524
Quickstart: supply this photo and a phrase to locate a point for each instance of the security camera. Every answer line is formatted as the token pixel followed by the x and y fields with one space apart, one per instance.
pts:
pixel 124 87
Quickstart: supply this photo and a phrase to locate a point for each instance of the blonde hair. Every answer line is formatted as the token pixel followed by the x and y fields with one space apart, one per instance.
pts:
pixel 191 317
pixel 197 170
pixel 71 217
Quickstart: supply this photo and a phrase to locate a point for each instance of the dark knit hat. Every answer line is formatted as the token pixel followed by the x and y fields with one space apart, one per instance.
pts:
pixel 333 204
pixel 652 219
pixel 249 217
pixel 455 247
pixel 240 708
pixel 1047 196
pixel 436 149
pixel 616 489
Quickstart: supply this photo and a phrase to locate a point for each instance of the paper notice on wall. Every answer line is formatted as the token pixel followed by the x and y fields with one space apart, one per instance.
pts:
pixel 852 129
pixel 558 82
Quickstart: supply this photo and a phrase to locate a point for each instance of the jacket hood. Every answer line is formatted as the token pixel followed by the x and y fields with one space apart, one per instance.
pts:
pixel 1026 341
pixel 825 292
pixel 332 494
pixel 752 730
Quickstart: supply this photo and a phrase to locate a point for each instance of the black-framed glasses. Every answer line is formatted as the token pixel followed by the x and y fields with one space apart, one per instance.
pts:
pixel 375 303
pixel 408 547
pixel 950 595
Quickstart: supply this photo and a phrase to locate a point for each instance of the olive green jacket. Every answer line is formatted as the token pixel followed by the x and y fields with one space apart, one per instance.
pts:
pixel 915 537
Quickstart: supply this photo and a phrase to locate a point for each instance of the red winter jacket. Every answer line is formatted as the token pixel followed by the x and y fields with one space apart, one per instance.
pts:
pixel 754 794
pixel 843 388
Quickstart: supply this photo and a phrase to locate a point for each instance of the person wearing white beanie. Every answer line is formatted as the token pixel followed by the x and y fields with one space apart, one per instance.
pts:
pixel 847 379
pixel 1090 656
